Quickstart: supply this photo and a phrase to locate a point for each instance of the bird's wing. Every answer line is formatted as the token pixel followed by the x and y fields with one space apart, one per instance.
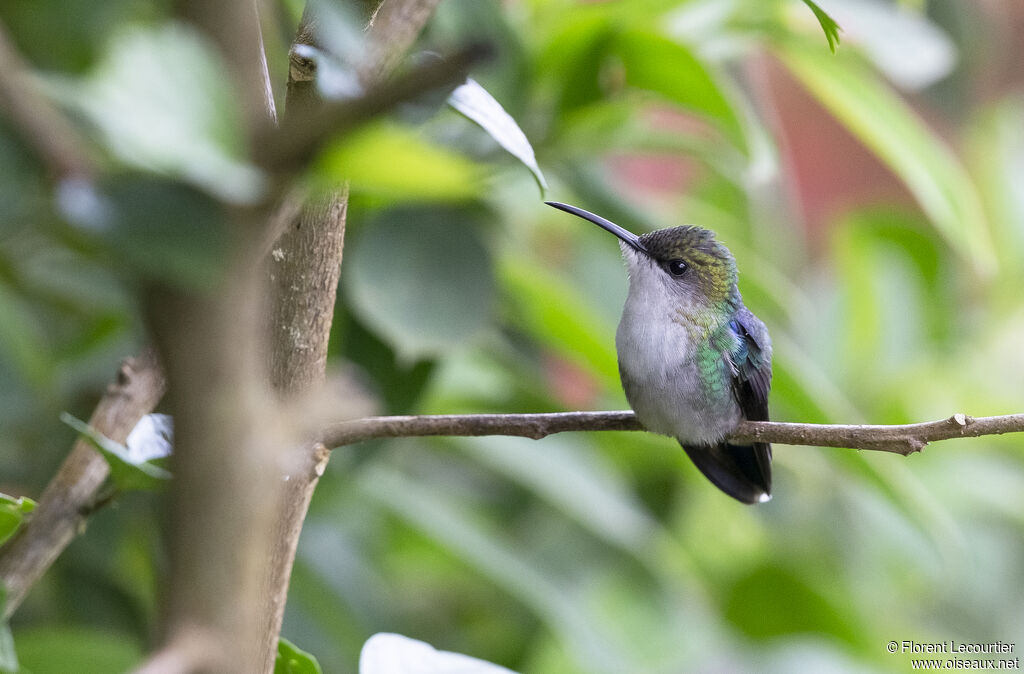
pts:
pixel 753 365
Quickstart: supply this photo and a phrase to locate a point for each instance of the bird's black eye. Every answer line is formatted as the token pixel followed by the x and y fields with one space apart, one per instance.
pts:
pixel 677 267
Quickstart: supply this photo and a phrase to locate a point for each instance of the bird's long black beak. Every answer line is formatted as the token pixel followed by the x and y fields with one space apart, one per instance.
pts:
pixel 624 234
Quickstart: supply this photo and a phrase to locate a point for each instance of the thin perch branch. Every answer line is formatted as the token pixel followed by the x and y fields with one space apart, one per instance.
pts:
pixel 900 439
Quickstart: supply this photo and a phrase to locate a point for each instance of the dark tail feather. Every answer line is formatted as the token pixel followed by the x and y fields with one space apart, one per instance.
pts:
pixel 741 471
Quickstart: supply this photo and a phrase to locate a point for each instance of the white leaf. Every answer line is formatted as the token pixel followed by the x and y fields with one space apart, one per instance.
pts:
pixel 152 438
pixel 335 80
pixel 473 101
pixel 387 653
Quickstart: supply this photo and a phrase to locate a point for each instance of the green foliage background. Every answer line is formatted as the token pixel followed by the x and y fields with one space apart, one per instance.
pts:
pixel 461 292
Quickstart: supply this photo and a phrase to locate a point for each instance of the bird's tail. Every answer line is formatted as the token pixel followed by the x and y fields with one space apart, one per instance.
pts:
pixel 741 471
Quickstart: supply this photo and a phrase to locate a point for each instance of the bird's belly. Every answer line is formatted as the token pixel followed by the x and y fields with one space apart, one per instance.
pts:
pixel 667 391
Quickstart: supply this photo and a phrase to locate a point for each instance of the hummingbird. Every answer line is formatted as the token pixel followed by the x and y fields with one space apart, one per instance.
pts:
pixel 693 360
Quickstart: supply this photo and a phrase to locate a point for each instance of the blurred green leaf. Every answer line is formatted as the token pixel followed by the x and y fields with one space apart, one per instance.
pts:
pixel 574 55
pixel 659 64
pixel 21 343
pixel 554 313
pixel 21 184
pixel 164 230
pixel 293 660
pixel 828 24
pixel 473 101
pixel 12 514
pixel 773 601
pixel 8 654
pixel 893 288
pixel 22 504
pixel 386 160
pixel 83 26
pixel 437 515
pixel 574 479
pixel 163 101
pixel 126 471
pixel 887 125
pixel 421 279
pixel 396 384
pixel 996 151
pixel 82 650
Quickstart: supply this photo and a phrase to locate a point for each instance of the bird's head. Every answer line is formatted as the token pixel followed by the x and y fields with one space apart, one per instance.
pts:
pixel 686 262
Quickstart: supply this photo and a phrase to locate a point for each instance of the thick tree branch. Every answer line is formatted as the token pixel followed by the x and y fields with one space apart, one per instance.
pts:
pixel 900 439
pixel 190 651
pixel 393 29
pixel 67 500
pixel 226 487
pixel 305 264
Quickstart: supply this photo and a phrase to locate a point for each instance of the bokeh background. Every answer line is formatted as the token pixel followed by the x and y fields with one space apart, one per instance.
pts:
pixel 874 200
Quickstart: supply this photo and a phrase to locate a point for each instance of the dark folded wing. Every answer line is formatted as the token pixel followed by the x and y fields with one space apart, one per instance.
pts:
pixel 753 365
pixel 752 361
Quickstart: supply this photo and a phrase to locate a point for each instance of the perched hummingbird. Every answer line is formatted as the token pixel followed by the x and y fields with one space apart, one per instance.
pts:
pixel 693 360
